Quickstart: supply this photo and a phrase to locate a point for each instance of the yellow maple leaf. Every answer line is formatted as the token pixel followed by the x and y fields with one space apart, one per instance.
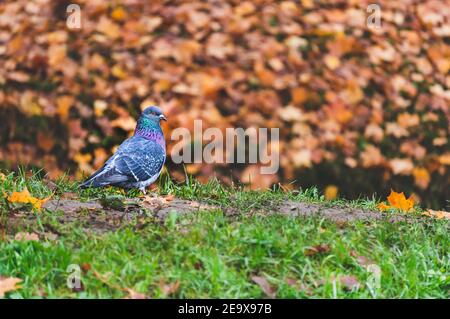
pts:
pixel 397 201
pixel 25 197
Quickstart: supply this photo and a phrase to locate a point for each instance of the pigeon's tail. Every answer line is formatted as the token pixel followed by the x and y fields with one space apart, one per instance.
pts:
pixel 104 177
pixel 92 181
pixel 88 183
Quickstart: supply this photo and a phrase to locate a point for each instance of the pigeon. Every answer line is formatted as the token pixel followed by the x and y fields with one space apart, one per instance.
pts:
pixel 139 160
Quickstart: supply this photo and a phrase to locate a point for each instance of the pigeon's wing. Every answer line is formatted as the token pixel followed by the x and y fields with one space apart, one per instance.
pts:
pixel 141 161
pixel 136 160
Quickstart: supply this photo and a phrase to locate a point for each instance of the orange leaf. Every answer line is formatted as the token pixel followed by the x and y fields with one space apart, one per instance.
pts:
pixel 383 206
pixel 399 201
pixel 119 14
pixel 421 177
pixel 25 197
pixel 331 192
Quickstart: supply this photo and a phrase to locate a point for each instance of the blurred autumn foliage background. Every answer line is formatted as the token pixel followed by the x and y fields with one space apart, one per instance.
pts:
pixel 363 109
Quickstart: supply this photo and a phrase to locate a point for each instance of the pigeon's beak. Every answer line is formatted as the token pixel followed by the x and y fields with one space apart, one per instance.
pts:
pixel 162 117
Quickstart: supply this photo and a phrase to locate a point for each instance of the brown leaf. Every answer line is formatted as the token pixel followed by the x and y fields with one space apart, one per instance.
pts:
pixel 169 289
pixel 134 294
pixel 169 198
pixel 299 286
pixel 439 214
pixel 8 284
pixel 265 286
pixel 318 249
pixel 45 141
pixel 361 260
pixel 86 267
pixel 349 282
pixel 23 236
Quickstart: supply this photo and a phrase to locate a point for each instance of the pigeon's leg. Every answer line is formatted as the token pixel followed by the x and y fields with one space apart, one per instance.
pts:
pixel 142 189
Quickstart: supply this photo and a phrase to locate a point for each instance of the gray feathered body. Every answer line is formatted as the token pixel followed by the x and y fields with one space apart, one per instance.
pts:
pixel 137 162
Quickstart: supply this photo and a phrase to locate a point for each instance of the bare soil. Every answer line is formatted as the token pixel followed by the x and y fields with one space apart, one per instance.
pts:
pixel 108 215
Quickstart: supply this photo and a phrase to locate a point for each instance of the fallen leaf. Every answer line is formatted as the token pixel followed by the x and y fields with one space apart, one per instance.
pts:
pixel 118 72
pixel 445 159
pixel 99 107
pixel 25 197
pixel 125 123
pixel 349 282
pixel 169 289
pixel 402 166
pixel 265 286
pixel 134 294
pixel 383 206
pixel 86 267
pixel 299 286
pixel 318 249
pixel 361 260
pixel 23 236
pixel 8 284
pixel 45 141
pixel 169 198
pixel 119 14
pixel 332 62
pixel 439 214
pixel 397 201
pixel 421 177
pixel 331 192
pixel 19 76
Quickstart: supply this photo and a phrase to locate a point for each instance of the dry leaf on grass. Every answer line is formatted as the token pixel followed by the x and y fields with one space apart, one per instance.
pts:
pixel 25 197
pixel 299 286
pixel 8 284
pixel 318 249
pixel 23 236
pixel 265 286
pixel 331 192
pixel 134 294
pixel 361 260
pixel 397 201
pixel 439 214
pixel 349 282
pixel 170 288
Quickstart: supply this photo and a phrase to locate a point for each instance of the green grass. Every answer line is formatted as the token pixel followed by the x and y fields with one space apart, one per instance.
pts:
pixel 214 255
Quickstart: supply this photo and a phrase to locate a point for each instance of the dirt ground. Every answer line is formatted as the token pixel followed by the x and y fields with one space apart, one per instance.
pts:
pixel 111 214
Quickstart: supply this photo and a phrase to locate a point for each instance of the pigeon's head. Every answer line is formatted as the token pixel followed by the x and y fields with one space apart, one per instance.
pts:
pixel 154 113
